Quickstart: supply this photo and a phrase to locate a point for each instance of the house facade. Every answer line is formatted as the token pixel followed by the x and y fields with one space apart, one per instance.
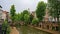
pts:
pixel 3 14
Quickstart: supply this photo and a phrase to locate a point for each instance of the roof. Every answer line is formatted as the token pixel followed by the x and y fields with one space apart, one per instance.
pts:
pixel 5 12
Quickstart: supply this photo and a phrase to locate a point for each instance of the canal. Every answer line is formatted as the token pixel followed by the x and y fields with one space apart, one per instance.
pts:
pixel 30 30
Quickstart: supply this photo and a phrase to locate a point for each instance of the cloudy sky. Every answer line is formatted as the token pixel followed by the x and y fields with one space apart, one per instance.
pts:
pixel 20 5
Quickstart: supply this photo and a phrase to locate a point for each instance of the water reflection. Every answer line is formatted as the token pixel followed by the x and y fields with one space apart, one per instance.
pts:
pixel 30 30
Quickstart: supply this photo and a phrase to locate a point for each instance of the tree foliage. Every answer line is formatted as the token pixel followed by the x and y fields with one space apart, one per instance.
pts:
pixel 40 11
pixel 35 21
pixel 26 18
pixel 31 18
pixel 23 14
pixel 17 17
pixel 12 13
pixel 6 27
pixel 54 8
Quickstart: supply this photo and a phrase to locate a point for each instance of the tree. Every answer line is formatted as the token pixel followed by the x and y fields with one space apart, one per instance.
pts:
pixel 26 18
pixel 54 8
pixel 21 17
pixel 12 13
pixel 23 13
pixel 17 19
pixel 31 18
pixel 40 11
pixel 35 21
pixel 5 27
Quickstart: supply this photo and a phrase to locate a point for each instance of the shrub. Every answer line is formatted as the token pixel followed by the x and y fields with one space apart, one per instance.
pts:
pixel 4 25
pixel 34 21
pixel 6 28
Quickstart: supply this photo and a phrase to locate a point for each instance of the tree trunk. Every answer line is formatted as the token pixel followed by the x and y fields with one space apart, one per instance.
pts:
pixel 12 24
pixel 58 20
pixel 55 19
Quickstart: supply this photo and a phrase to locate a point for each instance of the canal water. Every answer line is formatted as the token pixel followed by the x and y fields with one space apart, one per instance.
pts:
pixel 30 30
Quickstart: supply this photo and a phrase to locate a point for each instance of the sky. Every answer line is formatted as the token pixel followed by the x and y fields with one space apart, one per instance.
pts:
pixel 20 5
